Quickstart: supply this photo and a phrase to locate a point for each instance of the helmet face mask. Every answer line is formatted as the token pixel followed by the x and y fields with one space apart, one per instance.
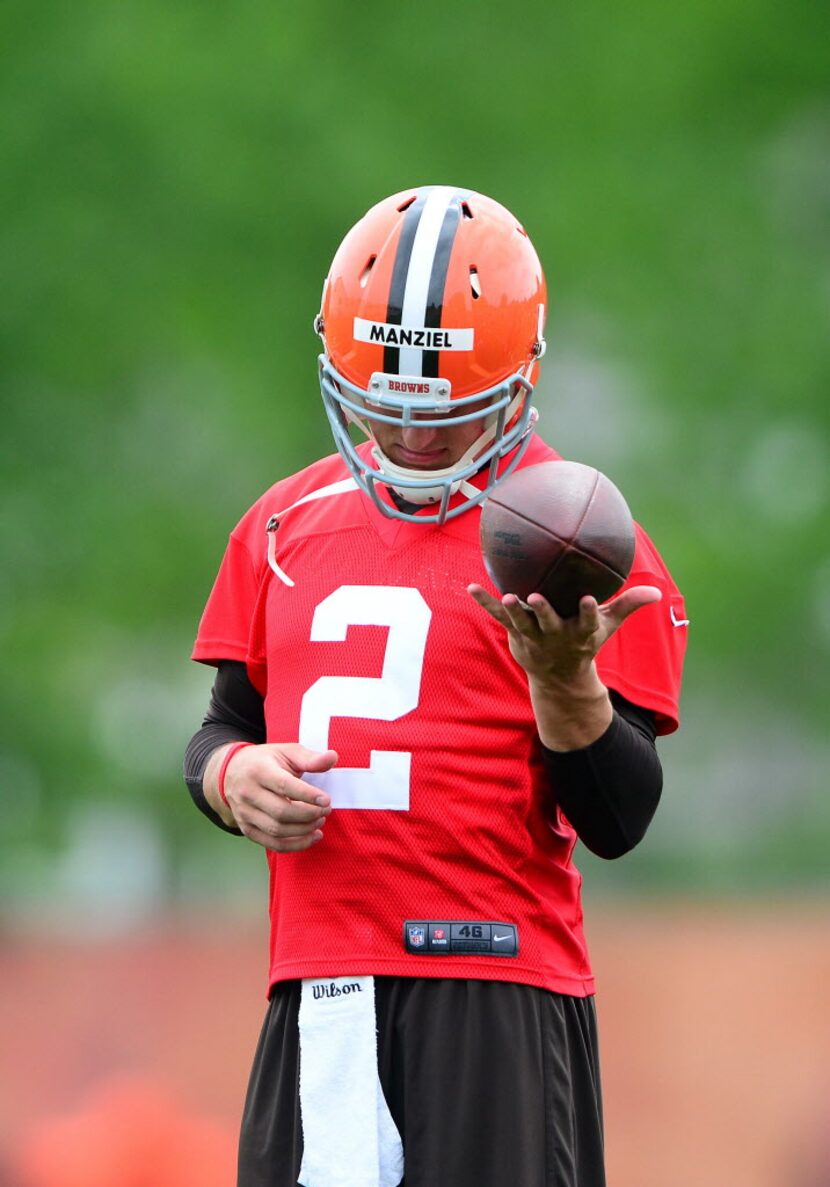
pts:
pixel 432 315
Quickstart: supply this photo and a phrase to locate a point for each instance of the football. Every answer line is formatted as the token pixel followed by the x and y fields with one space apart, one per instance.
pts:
pixel 560 529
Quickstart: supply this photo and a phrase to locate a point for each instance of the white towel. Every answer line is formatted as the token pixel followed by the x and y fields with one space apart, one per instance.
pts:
pixel 349 1137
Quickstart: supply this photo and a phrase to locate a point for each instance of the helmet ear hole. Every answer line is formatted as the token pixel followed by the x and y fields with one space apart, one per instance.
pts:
pixel 367 271
pixel 475 283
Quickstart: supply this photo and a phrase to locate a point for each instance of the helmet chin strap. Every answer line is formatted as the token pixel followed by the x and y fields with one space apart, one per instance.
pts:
pixel 423 494
pixel 420 494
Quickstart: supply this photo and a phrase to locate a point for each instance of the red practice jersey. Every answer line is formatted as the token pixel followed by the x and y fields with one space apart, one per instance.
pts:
pixel 443 855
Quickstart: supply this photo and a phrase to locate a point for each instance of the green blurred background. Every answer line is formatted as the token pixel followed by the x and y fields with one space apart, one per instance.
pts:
pixel 174 179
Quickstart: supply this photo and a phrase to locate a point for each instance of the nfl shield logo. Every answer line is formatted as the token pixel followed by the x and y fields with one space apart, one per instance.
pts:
pixel 417 937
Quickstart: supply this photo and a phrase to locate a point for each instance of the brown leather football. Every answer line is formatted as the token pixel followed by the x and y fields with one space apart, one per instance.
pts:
pixel 560 529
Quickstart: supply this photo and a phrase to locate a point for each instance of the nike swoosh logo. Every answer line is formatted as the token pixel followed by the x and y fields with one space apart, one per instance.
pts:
pixel 675 620
pixel 496 939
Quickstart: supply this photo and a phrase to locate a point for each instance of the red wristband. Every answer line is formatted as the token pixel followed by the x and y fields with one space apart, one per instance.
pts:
pixel 229 753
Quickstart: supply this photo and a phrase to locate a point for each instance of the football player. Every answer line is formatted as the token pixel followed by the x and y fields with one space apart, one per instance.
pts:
pixel 418 756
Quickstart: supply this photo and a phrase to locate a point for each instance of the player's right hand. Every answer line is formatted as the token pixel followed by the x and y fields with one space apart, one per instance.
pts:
pixel 271 803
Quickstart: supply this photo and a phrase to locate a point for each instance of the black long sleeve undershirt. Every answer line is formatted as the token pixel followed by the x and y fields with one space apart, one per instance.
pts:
pixel 609 791
pixel 236 713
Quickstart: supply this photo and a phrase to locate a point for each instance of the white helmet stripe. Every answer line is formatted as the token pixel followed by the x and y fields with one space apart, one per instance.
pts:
pixel 420 270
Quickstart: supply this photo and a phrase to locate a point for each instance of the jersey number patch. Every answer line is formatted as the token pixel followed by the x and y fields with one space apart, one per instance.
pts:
pixel 385 782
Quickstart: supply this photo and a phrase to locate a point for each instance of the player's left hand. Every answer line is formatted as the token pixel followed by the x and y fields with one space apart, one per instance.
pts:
pixel 559 650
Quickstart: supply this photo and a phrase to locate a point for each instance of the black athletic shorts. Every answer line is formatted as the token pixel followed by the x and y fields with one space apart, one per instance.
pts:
pixel 491 1084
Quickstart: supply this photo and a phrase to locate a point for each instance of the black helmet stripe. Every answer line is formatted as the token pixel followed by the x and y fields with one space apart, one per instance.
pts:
pixel 400 270
pixel 438 282
pixel 419 275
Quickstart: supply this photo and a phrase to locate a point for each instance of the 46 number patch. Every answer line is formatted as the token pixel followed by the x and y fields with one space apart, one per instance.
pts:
pixel 460 937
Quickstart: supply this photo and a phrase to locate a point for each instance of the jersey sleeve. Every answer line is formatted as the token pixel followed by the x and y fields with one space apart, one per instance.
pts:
pixel 225 627
pixel 232 625
pixel 643 660
pixel 233 622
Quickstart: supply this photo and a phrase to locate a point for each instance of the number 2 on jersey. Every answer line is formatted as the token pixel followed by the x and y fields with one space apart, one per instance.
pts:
pixel 385 782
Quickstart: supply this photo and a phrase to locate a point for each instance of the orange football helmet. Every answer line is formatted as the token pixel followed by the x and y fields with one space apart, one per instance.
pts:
pixel 434 306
